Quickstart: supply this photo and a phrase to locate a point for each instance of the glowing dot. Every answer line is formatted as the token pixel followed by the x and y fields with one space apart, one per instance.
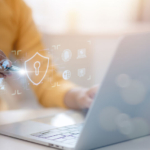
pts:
pixel 22 71
pixel 134 94
pixel 123 80
pixel 108 117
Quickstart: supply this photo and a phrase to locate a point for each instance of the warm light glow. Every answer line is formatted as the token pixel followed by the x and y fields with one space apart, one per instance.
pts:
pixel 22 71
pixel 83 15
pixel 61 120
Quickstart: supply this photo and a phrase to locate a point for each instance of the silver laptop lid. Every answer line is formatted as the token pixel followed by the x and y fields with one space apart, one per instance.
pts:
pixel 121 110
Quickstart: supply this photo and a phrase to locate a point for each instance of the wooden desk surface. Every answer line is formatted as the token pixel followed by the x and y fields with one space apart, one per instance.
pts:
pixel 8 143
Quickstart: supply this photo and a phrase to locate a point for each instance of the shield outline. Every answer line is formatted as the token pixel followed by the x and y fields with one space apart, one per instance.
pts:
pixel 45 71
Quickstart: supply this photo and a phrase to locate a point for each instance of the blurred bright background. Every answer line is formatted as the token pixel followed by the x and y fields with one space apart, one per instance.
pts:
pixel 93 25
pixel 89 16
pixel 104 20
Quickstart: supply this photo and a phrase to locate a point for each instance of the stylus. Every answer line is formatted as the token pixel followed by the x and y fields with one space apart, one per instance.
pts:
pixel 13 68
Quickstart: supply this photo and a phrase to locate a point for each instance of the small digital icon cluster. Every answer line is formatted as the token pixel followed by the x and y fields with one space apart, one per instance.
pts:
pixel 36 70
pixel 67 73
pixel 66 56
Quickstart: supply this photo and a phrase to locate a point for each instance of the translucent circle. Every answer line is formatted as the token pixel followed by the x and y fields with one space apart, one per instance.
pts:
pixel 108 117
pixel 140 128
pixel 124 124
pixel 134 93
pixel 121 118
pixel 66 55
pixel 123 80
pixel 66 74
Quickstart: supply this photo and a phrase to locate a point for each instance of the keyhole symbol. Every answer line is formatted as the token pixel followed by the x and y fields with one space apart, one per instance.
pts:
pixel 37 66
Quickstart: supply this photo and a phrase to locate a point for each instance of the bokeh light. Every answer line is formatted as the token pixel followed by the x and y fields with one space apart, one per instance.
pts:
pixel 108 117
pixel 22 72
pixel 123 80
pixel 124 124
pixel 135 93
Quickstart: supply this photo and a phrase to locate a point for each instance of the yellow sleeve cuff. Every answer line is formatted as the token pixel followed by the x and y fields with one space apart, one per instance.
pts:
pixel 54 97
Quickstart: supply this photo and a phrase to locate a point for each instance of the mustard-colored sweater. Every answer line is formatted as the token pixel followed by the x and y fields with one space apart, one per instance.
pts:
pixel 18 32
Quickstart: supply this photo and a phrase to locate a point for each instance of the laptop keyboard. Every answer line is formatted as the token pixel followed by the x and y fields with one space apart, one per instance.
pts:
pixel 67 134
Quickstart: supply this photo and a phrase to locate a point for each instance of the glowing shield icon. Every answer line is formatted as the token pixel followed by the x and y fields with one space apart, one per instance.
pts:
pixel 36 68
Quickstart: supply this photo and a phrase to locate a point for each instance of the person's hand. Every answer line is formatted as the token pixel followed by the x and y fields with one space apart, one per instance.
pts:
pixel 80 98
pixel 4 62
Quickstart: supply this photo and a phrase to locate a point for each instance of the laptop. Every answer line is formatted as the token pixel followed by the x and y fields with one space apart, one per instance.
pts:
pixel 120 111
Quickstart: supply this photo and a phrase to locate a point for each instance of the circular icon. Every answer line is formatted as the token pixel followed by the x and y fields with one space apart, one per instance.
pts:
pixel 66 55
pixel 66 74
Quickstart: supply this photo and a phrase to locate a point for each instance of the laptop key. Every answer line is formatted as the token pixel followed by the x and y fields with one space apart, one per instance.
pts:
pixel 63 134
pixel 60 140
pixel 69 137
